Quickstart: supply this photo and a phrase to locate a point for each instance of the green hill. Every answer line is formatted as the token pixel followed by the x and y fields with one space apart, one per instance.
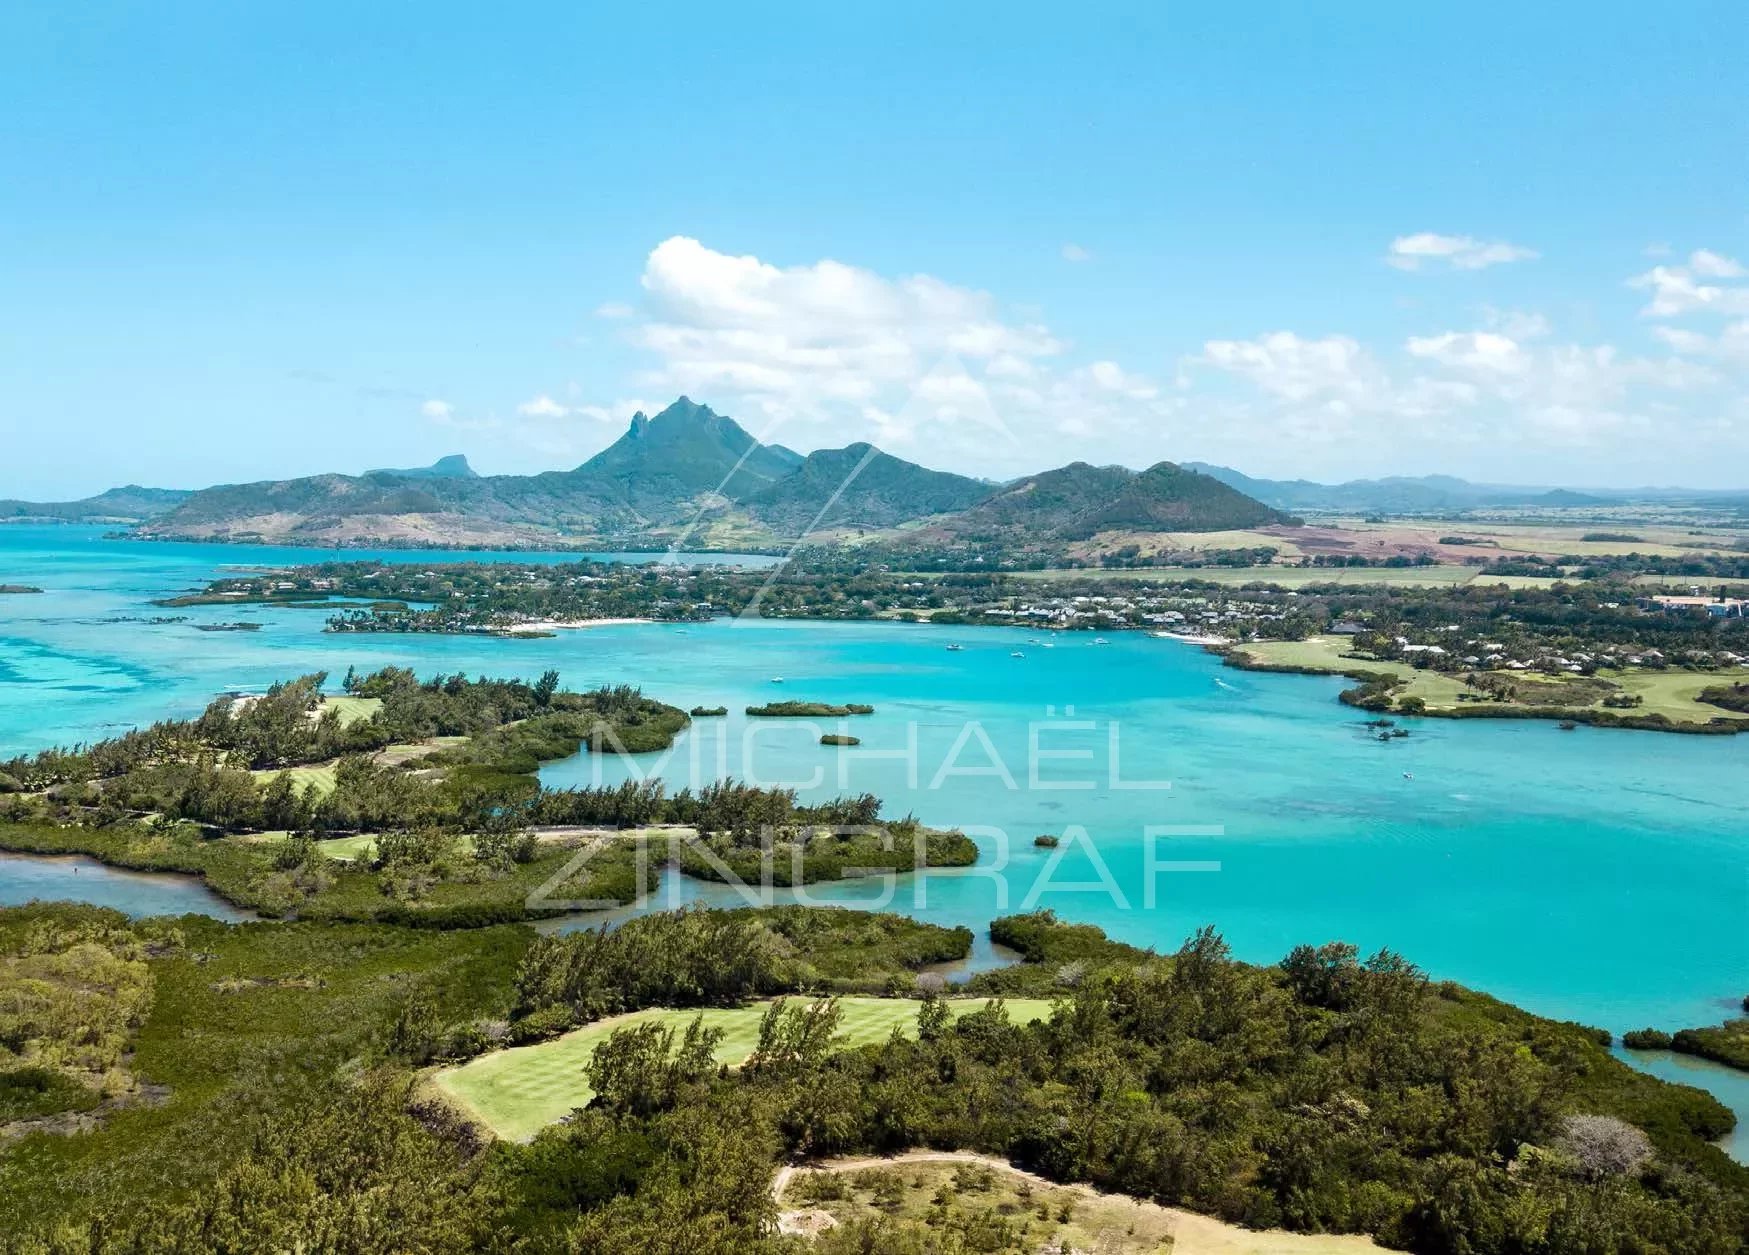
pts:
pixel 1078 501
pixel 127 504
pixel 859 486
pixel 455 466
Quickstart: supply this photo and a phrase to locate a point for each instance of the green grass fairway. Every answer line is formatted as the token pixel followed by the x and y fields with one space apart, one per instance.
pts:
pixel 354 849
pixel 1674 693
pixel 319 778
pixel 1321 653
pixel 351 709
pixel 359 847
pixel 518 1092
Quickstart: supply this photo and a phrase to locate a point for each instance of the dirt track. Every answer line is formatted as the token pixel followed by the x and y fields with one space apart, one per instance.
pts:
pixel 1191 1234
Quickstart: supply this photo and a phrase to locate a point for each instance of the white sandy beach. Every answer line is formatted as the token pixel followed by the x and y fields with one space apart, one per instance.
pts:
pixel 554 625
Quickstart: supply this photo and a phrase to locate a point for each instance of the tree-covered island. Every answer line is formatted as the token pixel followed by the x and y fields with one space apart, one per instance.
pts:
pixel 417 801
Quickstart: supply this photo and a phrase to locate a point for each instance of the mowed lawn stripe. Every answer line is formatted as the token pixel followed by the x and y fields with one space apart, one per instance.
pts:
pixel 520 1091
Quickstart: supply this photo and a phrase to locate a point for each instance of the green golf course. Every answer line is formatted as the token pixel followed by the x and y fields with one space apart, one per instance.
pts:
pixel 520 1091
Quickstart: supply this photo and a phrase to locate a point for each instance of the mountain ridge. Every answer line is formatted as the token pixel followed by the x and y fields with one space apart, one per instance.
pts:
pixel 689 472
pixel 130 503
pixel 1404 493
pixel 451 466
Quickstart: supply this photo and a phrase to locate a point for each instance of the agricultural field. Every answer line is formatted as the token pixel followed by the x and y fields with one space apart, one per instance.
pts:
pixel 1549 539
pixel 520 1091
pixel 1284 576
pixel 1682 584
pixel 987 1201
pixel 1280 539
pixel 1523 581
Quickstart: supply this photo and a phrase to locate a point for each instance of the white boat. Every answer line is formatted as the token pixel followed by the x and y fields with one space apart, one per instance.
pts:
pixel 1050 645
pixel 1100 640
pixel 777 679
pixel 1017 654
pixel 955 648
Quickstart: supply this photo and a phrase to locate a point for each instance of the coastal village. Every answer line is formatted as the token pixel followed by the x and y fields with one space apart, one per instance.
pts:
pixel 1571 631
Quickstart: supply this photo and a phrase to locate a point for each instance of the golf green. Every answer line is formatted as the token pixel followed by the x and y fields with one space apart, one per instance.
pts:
pixel 518 1092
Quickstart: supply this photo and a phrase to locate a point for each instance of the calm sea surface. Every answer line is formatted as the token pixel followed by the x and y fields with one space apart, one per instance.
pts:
pixel 1592 875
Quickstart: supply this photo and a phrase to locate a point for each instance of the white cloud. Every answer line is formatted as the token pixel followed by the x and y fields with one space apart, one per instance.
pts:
pixel 1487 351
pixel 1677 290
pixel 911 358
pixel 1110 377
pixel 1296 368
pixel 1477 388
pixel 1074 252
pixel 437 410
pixel 614 310
pixel 825 353
pixel 1517 323
pixel 1684 341
pixel 1730 345
pixel 542 406
pixel 1456 252
pixel 1715 265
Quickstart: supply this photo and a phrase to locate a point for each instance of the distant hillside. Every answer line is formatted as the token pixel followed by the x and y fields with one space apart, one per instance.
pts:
pixel 1398 494
pixel 691 475
pixel 455 466
pixel 662 473
pixel 1079 501
pixel 119 505
pixel 829 490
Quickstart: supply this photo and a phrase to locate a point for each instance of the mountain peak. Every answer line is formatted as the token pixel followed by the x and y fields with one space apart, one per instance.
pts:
pixel 685 408
pixel 684 413
pixel 687 449
pixel 450 466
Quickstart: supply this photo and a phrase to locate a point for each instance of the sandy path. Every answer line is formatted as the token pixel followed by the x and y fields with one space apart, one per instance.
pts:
pixel 1192 1234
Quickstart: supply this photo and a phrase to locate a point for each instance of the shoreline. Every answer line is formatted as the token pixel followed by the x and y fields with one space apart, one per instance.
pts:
pixel 1232 654
pixel 556 625
pixel 1191 638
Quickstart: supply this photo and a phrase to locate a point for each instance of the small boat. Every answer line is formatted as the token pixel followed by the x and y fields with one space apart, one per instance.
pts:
pixel 953 649
pixel 1408 775
pixel 1017 654
pixel 1050 645
pixel 777 679
pixel 1567 725
pixel 1100 640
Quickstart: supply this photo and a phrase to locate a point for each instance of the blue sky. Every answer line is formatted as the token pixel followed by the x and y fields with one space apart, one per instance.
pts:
pixel 249 241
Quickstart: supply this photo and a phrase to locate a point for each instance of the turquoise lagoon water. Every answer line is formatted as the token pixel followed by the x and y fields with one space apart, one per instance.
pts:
pixel 1728 1085
pixel 26 878
pixel 1591 875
